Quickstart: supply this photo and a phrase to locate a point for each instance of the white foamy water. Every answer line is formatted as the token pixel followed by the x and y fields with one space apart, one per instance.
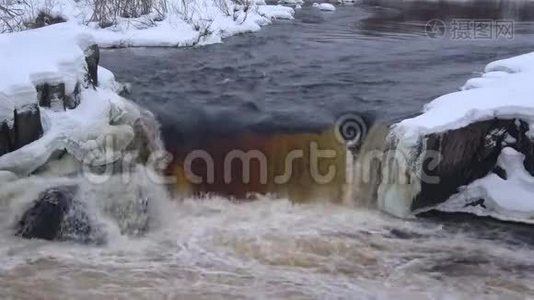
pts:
pixel 267 249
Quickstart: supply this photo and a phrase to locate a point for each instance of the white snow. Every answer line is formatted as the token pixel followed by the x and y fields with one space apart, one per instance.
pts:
pixel 198 22
pixel 324 6
pixel 206 26
pixel 505 199
pixel 51 55
pixel 505 90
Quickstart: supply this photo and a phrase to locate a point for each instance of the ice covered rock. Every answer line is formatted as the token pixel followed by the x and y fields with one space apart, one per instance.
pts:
pixel 324 6
pixel 459 140
pixel 81 128
pixel 291 2
pixel 466 154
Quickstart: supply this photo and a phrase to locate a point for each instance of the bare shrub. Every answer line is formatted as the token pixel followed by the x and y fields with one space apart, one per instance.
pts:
pixel 28 14
pixel 242 6
pixel 44 19
pixel 107 12
pixel 204 29
pixel 12 15
pixel 223 6
pixel 185 9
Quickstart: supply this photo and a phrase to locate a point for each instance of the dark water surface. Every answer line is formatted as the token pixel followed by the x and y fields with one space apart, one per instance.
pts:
pixel 300 75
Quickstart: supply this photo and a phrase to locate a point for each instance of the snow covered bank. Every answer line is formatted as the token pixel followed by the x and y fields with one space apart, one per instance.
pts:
pixel 472 150
pixel 169 23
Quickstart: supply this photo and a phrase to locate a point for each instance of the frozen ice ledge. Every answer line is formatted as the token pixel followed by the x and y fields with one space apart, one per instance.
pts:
pixel 469 151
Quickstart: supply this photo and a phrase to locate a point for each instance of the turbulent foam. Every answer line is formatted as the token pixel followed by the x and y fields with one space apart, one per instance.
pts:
pixel 270 248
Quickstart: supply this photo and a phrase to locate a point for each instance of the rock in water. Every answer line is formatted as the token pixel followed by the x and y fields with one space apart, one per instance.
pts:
pixel 441 163
pixel 27 127
pixel 44 219
pixel 57 215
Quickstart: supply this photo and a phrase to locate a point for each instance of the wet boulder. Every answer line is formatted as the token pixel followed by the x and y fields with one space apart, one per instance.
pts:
pixel 27 126
pixel 44 219
pixel 57 215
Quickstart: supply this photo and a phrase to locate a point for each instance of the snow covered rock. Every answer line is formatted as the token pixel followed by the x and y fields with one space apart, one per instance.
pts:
pixel 324 6
pixel 504 194
pixel 77 114
pixel 65 124
pixel 291 2
pixel 457 144
pixel 48 77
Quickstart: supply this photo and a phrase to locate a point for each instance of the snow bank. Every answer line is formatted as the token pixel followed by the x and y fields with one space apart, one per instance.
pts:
pixel 198 22
pixel 504 91
pixel 47 55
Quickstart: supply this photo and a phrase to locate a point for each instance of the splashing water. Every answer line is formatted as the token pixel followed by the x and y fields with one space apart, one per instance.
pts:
pixel 270 248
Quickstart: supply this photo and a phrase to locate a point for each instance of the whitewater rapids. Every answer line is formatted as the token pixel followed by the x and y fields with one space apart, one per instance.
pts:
pixel 270 248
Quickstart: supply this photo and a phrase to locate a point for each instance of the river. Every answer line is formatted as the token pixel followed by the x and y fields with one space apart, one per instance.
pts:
pixel 293 77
